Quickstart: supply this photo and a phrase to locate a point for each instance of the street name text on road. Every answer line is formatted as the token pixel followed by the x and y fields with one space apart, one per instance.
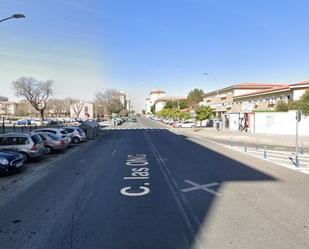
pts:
pixel 139 171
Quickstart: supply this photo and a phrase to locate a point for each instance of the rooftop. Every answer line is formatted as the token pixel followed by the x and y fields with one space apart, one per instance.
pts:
pixel 248 86
pixel 157 91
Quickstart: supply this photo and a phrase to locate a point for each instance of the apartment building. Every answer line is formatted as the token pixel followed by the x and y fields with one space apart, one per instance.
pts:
pixel 222 100
pixel 153 97
pixel 266 99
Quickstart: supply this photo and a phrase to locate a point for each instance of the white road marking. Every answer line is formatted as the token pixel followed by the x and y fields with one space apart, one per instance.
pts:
pixel 114 152
pixel 205 187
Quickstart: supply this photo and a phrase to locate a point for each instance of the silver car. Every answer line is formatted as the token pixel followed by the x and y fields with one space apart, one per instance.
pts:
pixel 53 142
pixel 29 145
pixel 57 131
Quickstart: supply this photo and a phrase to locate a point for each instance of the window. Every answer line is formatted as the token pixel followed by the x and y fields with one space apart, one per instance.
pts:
pixel 86 109
pixel 43 137
pixel 4 141
pixel 52 136
pixel 36 139
pixel 21 140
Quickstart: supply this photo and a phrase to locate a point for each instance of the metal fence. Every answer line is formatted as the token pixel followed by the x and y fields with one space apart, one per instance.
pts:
pixel 8 128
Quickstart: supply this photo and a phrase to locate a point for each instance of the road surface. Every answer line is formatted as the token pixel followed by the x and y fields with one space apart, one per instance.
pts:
pixel 141 186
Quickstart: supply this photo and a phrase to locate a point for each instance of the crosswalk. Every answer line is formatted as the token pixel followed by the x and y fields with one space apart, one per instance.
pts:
pixel 134 128
pixel 281 158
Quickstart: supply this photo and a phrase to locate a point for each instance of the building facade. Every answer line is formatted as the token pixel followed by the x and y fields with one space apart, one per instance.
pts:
pixel 8 108
pixel 153 97
pixel 222 101
pixel 83 110
pixel 266 100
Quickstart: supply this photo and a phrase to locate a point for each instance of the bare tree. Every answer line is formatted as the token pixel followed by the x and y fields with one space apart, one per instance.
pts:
pixel 77 106
pixel 58 107
pixel 35 92
pixel 108 102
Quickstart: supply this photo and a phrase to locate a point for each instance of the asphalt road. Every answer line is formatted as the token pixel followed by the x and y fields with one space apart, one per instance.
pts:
pixel 140 187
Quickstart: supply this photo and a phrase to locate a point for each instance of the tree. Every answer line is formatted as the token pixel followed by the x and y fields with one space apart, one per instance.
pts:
pixel 183 104
pixel 301 104
pixel 77 106
pixel 108 102
pixel 281 106
pixel 203 113
pixel 304 103
pixel 176 104
pixel 153 109
pixel 195 97
pixel 35 92
pixel 58 107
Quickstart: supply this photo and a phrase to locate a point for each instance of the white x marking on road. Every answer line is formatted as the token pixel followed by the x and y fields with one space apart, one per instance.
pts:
pixel 205 187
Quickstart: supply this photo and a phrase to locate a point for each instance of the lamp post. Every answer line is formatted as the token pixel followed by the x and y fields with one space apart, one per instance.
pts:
pixel 215 78
pixel 14 16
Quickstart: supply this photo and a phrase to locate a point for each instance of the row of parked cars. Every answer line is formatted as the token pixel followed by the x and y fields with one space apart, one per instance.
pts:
pixel 174 122
pixel 48 121
pixel 18 148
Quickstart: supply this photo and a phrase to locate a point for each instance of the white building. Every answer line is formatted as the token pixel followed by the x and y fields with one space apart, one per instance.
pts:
pixel 123 99
pixel 153 97
pixel 82 109
pixel 8 108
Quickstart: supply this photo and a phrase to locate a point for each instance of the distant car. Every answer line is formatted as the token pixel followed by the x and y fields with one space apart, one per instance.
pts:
pixel 29 145
pixel 57 131
pixel 78 135
pixel 10 161
pixel 23 122
pixel 186 124
pixel 53 142
pixel 53 122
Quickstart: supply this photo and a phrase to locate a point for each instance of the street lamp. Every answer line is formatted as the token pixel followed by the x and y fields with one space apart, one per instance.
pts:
pixel 215 78
pixel 14 16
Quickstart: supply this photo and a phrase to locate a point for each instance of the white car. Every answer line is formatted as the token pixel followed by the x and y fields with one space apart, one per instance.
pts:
pixel 186 124
pixel 57 131
pixel 77 134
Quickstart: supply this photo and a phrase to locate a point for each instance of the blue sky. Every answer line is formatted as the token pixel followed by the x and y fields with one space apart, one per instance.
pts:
pixel 137 45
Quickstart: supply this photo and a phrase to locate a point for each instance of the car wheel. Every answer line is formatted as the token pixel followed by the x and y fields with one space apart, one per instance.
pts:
pixel 48 150
pixel 76 140
pixel 25 157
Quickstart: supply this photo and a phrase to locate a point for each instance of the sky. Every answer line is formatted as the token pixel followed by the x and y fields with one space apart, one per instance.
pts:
pixel 86 46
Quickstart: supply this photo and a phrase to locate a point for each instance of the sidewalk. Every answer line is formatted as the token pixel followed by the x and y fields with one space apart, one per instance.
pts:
pixel 269 140
pixel 280 148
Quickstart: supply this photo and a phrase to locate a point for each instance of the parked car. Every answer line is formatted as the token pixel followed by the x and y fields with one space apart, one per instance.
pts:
pixel 23 122
pixel 78 135
pixel 53 142
pixel 57 131
pixel 185 124
pixel 10 161
pixel 29 145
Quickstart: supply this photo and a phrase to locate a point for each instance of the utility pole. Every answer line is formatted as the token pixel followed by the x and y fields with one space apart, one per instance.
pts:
pixel 298 119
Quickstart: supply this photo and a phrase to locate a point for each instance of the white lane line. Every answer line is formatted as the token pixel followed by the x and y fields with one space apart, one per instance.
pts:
pixel 114 152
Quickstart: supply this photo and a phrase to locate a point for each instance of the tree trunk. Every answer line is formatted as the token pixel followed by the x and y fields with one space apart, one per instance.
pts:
pixel 42 116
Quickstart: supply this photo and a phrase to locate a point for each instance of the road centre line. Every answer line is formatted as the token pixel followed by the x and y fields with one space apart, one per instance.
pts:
pixel 180 200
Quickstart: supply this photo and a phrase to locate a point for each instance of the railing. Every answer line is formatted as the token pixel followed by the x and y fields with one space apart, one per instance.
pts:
pixel 8 128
